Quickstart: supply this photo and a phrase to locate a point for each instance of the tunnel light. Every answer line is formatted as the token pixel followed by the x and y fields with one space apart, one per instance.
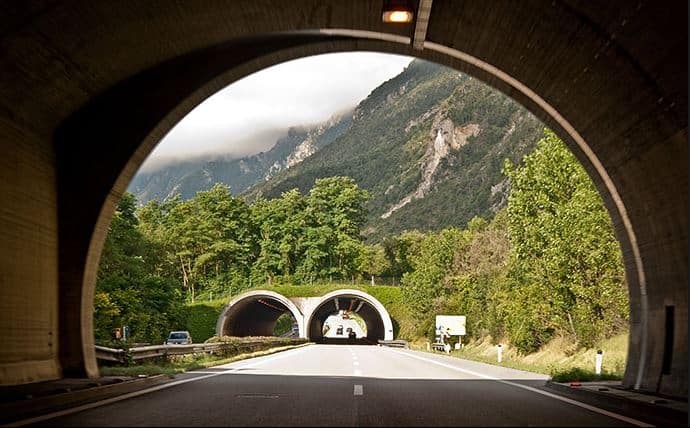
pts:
pixel 400 12
pixel 399 16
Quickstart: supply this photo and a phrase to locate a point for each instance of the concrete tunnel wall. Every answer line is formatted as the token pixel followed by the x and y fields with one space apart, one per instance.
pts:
pixel 89 89
pixel 375 315
pixel 244 315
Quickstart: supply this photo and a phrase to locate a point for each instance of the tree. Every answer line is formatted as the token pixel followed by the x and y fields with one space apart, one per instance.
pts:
pixel 565 261
pixel 333 216
pixel 131 288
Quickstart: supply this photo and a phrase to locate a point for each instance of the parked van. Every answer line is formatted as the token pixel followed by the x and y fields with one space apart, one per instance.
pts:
pixel 179 338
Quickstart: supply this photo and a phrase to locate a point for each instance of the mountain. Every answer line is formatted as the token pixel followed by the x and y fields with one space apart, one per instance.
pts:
pixel 428 145
pixel 188 178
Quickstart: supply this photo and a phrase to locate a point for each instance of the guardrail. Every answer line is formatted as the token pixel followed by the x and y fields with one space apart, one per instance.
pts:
pixel 123 356
pixel 395 343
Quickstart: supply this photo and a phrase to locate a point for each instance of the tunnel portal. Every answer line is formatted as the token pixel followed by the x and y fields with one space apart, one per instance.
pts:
pixel 375 329
pixel 255 314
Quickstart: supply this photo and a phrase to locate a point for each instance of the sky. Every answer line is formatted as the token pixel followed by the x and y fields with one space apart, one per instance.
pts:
pixel 248 116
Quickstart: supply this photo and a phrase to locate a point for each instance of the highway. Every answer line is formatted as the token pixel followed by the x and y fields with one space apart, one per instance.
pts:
pixel 346 385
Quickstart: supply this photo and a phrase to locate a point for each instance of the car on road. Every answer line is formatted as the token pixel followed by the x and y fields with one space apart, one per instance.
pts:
pixel 339 330
pixel 179 338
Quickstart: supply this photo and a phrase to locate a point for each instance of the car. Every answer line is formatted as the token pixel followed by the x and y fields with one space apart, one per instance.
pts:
pixel 339 330
pixel 179 338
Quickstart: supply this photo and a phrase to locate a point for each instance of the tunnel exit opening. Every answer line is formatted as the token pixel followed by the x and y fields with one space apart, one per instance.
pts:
pixel 346 319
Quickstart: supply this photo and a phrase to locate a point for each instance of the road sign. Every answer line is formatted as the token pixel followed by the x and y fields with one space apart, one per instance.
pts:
pixel 454 325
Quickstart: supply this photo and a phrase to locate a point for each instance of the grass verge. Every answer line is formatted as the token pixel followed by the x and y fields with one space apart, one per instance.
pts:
pixel 561 360
pixel 186 363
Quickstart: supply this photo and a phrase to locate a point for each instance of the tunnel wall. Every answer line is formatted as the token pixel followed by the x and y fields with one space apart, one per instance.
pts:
pixel 240 300
pixel 303 309
pixel 89 88
pixel 315 304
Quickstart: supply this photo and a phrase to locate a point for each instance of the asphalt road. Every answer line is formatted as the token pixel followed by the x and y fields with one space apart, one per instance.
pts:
pixel 344 385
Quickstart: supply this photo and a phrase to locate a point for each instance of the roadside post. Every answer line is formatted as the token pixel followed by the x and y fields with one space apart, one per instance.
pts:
pixel 599 361
pixel 499 348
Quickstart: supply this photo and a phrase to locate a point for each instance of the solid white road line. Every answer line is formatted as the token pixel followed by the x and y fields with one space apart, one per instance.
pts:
pixel 144 391
pixel 529 388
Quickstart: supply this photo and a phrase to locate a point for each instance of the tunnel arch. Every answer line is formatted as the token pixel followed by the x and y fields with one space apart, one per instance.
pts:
pixel 624 94
pixel 311 42
pixel 375 315
pixel 255 312
pixel 625 232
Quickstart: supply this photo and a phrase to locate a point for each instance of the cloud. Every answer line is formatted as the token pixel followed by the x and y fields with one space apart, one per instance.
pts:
pixel 248 116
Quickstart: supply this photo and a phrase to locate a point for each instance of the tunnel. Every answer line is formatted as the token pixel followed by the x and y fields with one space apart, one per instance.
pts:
pixel 255 314
pixel 378 322
pixel 610 81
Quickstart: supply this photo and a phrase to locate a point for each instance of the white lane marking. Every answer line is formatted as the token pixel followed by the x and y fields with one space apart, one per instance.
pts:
pixel 538 391
pixel 138 393
pixel 359 390
pixel 358 373
pixel 355 363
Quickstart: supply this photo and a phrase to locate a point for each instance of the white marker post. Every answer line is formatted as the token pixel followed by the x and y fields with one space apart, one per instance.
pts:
pixel 599 360
pixel 499 348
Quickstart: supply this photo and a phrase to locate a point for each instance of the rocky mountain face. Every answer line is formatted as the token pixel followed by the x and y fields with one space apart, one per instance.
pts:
pixel 428 145
pixel 188 178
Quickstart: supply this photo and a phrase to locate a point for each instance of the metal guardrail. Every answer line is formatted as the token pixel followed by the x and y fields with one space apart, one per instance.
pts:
pixel 395 343
pixel 158 351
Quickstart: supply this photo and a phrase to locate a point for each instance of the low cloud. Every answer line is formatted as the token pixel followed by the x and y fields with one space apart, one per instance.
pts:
pixel 248 116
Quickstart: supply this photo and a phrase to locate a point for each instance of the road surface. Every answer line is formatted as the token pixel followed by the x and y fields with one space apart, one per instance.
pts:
pixel 345 385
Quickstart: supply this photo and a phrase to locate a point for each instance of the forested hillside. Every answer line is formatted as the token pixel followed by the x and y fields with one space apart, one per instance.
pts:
pixel 428 145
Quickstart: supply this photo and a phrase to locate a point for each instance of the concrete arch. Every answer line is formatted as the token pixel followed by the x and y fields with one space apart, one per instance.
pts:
pixel 614 78
pixel 377 328
pixel 245 305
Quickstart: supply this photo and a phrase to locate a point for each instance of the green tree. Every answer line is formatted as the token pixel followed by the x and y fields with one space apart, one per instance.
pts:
pixel 333 216
pixel 429 283
pixel 129 288
pixel 566 264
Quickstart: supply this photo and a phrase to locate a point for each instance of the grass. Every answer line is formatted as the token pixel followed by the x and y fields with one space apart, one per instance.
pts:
pixel 560 359
pixel 186 363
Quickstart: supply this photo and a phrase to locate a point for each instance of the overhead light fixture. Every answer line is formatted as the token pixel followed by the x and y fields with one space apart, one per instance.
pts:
pixel 399 12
